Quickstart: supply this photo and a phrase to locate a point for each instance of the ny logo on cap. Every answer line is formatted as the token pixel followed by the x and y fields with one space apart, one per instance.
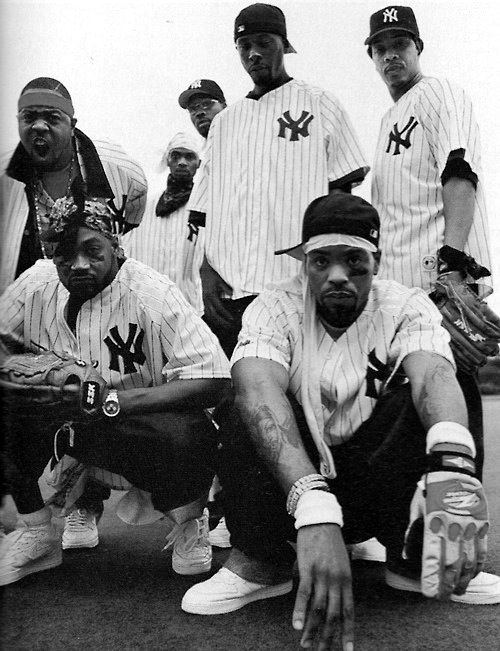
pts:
pixel 391 15
pixel 241 28
pixel 373 232
pixel 196 84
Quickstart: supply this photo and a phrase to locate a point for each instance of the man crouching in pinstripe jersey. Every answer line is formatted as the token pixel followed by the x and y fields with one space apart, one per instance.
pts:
pixel 54 159
pixel 162 367
pixel 346 408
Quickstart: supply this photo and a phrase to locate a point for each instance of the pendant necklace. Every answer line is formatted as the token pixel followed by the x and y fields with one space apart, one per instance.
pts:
pixel 37 195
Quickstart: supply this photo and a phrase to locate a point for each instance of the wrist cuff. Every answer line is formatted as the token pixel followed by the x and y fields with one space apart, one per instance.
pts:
pixel 449 432
pixel 318 507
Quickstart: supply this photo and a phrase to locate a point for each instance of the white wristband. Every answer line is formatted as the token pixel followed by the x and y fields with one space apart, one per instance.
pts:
pixel 318 507
pixel 448 432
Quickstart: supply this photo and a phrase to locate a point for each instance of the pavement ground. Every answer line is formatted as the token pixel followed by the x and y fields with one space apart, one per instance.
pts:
pixel 123 595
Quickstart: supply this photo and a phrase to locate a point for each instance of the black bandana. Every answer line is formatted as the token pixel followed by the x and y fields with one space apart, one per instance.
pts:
pixel 175 196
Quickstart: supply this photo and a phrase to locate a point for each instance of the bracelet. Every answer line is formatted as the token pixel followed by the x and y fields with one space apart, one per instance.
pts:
pixel 449 432
pixel 318 507
pixel 306 483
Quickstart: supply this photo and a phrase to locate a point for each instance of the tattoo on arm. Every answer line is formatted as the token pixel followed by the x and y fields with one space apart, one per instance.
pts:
pixel 272 432
pixel 433 392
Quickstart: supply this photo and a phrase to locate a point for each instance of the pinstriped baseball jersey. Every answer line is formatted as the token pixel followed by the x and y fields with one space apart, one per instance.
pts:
pixel 395 322
pixel 125 177
pixel 159 240
pixel 139 329
pixel 162 243
pixel 417 135
pixel 266 160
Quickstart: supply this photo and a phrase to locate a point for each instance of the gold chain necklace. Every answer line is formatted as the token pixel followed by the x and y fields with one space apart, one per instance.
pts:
pixel 37 195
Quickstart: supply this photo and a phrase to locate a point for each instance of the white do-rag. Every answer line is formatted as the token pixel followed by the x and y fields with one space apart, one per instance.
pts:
pixel 181 139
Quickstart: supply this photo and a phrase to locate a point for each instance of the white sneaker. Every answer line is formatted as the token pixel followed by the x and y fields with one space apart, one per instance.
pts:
pixel 27 550
pixel 80 530
pixel 226 592
pixel 482 590
pixel 192 553
pixel 369 550
pixel 220 536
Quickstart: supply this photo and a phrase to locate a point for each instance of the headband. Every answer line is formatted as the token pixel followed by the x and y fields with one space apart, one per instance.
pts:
pixel 45 97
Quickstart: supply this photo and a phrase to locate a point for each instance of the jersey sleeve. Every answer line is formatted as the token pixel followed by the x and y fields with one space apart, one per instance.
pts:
pixel 447 117
pixel 191 349
pixel 346 161
pixel 12 310
pixel 265 331
pixel 420 329
pixel 198 201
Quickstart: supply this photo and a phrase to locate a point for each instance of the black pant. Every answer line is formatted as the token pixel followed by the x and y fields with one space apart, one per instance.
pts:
pixel 171 455
pixel 228 334
pixel 377 472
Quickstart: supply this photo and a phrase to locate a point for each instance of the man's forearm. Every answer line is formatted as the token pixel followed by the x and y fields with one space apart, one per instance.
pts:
pixel 435 390
pixel 274 432
pixel 458 206
pixel 177 394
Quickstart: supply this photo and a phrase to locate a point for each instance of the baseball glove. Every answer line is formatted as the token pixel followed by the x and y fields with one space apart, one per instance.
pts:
pixel 473 327
pixel 50 385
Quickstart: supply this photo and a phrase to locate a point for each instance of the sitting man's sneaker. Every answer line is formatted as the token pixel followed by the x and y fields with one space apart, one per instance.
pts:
pixel 80 530
pixel 226 592
pixel 29 549
pixel 220 536
pixel 484 589
pixel 191 553
pixel 369 550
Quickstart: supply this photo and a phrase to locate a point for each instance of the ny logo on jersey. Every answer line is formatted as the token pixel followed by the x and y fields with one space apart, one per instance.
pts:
pixel 390 15
pixel 130 351
pixel 376 370
pixel 297 127
pixel 195 84
pixel 401 137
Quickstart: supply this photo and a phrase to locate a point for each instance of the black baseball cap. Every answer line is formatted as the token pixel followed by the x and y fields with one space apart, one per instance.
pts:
pixel 262 17
pixel 353 219
pixel 391 18
pixel 201 87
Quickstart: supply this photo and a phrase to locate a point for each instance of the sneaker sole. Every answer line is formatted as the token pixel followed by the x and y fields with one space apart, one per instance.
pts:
pixel 372 558
pixel 230 605
pixel 190 569
pixel 399 582
pixel 87 545
pixel 21 572
pixel 219 542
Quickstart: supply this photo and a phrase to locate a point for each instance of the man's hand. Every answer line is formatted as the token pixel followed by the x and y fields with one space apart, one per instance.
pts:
pixel 324 605
pixel 213 289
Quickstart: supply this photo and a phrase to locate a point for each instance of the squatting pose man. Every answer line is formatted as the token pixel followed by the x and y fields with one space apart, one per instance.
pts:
pixel 146 357
pixel 348 423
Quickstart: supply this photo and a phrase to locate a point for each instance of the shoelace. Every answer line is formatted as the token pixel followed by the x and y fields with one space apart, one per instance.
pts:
pixel 77 518
pixel 196 539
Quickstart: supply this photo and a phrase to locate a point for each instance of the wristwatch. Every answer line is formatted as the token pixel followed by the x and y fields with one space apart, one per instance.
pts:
pixel 111 406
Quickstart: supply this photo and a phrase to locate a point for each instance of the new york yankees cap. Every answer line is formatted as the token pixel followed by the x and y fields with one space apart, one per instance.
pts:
pixel 351 218
pixel 390 18
pixel 205 87
pixel 261 17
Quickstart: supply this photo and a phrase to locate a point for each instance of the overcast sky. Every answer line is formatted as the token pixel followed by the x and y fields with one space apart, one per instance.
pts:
pixel 125 64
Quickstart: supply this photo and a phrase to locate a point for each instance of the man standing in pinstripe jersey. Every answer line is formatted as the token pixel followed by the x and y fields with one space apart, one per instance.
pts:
pixel 427 183
pixel 55 159
pixel 162 366
pixel 159 242
pixel 267 157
